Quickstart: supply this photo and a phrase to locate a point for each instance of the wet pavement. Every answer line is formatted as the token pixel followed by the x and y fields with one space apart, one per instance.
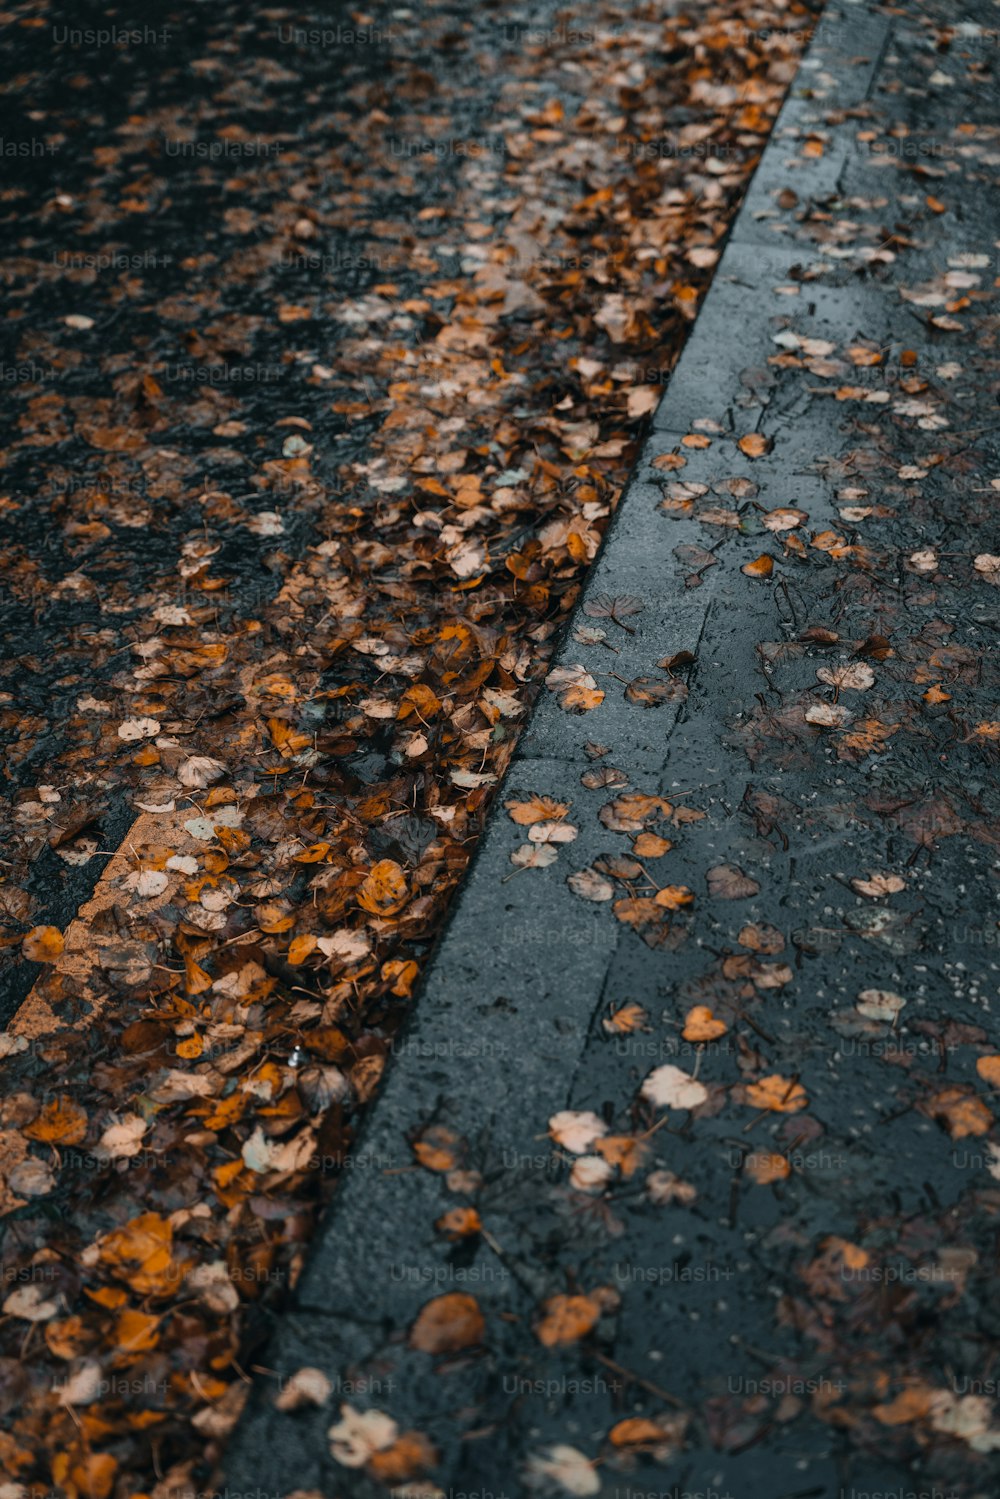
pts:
pixel 689 1185
pixel 329 343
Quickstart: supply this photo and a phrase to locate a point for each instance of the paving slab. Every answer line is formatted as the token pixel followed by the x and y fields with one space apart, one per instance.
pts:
pixel 786 1277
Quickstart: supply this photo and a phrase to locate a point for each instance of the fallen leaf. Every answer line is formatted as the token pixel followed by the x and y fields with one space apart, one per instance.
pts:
pixel 567 1467
pixel 536 809
pixel 534 856
pixel 781 1095
pixel 728 882
pixel 448 1323
pixel 576 1131
pixel 701 1025
pixel 566 1319
pixel 590 885
pixel 880 1004
pixel 766 1166
pixel 669 1087
pixel 856 676
pixel 43 944
pixel 358 1435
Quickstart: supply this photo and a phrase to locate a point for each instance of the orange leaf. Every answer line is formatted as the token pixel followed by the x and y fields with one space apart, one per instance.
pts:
pixel 989 1070
pixel 437 1148
pixel 753 445
pixel 782 1095
pixel 420 700
pixel 565 1319
pixel 673 897
pixel 637 1431
pixel 459 1223
pixel 313 854
pixel 61 1122
pixel 385 890
pixel 409 1456
pixel 43 944
pixel 631 1017
pixel 701 1025
pixel 766 1166
pixel 961 1113
pixel 910 1405
pixel 651 846
pixel 448 1323
pixel 93 1475
pixel 761 567
pixel 536 809
pixel 404 973
pixel 300 947
pixel 627 1152
pixel 196 980
pixel 136 1332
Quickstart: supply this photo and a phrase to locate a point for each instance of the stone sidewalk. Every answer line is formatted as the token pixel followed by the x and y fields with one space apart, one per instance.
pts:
pixel 766 1271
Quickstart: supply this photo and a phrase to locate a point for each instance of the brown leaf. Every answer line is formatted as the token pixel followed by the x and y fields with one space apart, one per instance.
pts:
pixel 448 1323
pixel 566 1319
pixel 728 882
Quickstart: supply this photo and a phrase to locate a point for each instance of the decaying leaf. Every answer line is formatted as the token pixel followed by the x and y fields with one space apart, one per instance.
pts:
pixel 728 882
pixel 447 1324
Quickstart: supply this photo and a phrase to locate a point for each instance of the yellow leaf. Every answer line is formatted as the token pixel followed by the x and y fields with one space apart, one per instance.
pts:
pixel 61 1122
pixel 43 944
pixel 300 947
pixel 404 973
pixel 384 890
pixel 136 1332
